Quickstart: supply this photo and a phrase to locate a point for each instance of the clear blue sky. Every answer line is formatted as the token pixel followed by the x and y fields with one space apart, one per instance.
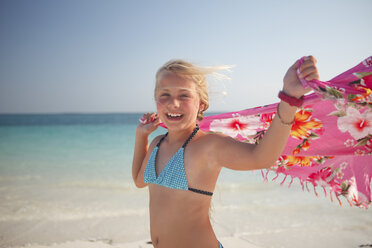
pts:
pixel 101 56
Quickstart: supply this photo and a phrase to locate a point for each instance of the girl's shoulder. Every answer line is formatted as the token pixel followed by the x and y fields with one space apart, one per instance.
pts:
pixel 158 138
pixel 212 140
pixel 213 136
pixel 218 143
pixel 209 147
pixel 155 141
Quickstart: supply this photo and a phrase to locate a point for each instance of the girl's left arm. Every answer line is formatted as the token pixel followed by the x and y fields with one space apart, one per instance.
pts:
pixel 243 156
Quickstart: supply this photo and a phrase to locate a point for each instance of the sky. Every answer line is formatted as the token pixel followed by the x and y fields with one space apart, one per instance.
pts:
pixel 90 56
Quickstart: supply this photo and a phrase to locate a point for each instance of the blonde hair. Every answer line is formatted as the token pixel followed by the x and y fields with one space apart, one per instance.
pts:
pixel 195 73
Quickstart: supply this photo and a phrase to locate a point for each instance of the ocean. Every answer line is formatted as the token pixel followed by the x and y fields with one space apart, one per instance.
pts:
pixel 62 147
pixel 66 177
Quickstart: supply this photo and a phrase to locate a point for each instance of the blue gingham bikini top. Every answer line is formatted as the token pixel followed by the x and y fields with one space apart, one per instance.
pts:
pixel 173 175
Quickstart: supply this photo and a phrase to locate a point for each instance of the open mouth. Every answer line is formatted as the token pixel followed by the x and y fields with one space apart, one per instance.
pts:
pixel 174 116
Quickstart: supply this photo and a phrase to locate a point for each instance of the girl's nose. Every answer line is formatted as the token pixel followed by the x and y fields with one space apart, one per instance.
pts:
pixel 173 102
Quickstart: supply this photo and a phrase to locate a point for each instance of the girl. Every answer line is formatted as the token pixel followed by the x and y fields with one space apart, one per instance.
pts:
pixel 181 167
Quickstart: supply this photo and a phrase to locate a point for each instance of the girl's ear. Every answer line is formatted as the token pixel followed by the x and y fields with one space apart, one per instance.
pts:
pixel 201 107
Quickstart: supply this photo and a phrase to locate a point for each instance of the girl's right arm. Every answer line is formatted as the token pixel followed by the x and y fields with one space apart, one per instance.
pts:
pixel 149 124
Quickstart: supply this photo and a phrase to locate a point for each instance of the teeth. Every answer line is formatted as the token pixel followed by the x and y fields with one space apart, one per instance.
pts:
pixel 174 115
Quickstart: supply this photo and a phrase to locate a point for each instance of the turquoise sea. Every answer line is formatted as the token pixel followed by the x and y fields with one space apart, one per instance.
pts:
pixel 67 146
pixel 66 177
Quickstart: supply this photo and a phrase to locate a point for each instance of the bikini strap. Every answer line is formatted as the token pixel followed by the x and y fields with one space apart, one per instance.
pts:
pixel 161 140
pixel 203 192
pixel 196 129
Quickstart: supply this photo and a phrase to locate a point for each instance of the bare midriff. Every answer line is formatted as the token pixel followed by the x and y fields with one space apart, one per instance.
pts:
pixel 180 218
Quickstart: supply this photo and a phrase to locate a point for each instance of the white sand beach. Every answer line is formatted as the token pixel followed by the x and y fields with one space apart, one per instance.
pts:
pixel 250 215
pixel 228 242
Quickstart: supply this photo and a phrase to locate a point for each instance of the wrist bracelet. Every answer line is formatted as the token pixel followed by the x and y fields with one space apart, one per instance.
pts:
pixel 281 120
pixel 291 100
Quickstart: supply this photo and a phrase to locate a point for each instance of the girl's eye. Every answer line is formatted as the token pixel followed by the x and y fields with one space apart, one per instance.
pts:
pixel 164 95
pixel 184 96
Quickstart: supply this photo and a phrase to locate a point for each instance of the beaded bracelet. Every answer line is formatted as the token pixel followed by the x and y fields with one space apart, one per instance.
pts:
pixel 281 120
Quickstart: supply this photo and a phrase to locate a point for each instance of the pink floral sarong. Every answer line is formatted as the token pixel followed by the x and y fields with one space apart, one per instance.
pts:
pixel 330 144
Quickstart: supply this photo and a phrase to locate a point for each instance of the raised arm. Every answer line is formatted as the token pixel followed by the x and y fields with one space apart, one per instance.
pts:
pixel 242 156
pixel 141 147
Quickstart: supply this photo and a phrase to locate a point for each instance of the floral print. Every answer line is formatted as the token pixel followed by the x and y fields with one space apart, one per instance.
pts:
pixel 245 126
pixel 357 124
pixel 305 124
pixel 300 160
pixel 330 144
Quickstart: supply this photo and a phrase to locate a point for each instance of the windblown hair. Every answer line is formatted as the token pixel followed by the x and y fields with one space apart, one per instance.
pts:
pixel 197 74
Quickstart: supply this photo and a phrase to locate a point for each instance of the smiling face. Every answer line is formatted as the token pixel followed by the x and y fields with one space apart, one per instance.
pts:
pixel 177 101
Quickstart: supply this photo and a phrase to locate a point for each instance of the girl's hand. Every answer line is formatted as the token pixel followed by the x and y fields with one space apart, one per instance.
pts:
pixel 292 85
pixel 148 123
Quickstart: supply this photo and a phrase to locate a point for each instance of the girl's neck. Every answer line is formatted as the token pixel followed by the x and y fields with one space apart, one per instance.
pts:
pixel 177 136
